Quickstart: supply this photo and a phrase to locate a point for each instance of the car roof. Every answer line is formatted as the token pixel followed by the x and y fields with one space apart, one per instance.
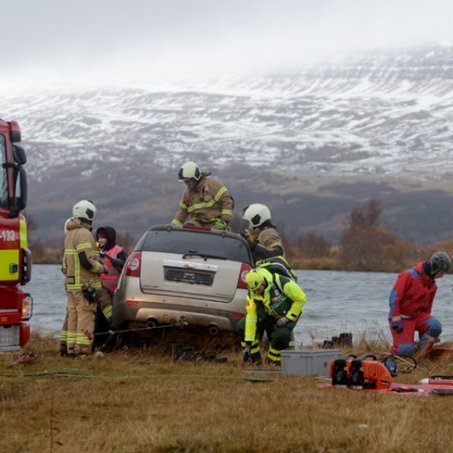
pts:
pixel 196 229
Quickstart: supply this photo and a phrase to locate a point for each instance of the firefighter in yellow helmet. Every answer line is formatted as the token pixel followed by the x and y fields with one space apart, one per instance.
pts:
pixel 274 304
pixel 206 201
pixel 265 241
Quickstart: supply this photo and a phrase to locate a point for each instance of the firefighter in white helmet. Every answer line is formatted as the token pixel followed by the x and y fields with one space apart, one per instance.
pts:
pixel 205 202
pixel 82 269
pixel 265 241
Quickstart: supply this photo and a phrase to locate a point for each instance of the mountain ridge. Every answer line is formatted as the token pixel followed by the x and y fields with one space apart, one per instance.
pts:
pixel 384 116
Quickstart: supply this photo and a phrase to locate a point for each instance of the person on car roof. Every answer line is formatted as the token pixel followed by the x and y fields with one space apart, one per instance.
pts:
pixel 206 201
pixel 274 304
pixel 411 301
pixel 265 241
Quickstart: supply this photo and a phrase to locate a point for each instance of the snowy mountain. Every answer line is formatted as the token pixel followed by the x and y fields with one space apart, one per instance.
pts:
pixel 383 116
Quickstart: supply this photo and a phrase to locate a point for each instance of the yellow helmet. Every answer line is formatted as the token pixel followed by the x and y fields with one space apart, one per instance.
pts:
pixel 254 279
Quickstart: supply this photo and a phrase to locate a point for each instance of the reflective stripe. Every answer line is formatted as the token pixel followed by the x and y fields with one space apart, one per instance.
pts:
pixel 274 355
pixel 182 205
pixel 227 212
pixel 208 204
pixel 84 246
pixel 176 222
pixel 23 233
pixel 107 312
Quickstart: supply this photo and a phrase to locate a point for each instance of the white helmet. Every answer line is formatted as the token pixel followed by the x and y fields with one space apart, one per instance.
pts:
pixel 256 214
pixel 189 170
pixel 84 209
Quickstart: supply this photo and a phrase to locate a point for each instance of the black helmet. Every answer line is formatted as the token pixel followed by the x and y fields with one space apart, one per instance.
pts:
pixel 440 262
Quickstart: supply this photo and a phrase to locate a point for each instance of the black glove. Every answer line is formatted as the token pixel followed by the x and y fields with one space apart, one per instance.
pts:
pixel 90 294
pixel 115 262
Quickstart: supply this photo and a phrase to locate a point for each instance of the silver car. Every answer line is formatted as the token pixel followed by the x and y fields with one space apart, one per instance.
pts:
pixel 184 276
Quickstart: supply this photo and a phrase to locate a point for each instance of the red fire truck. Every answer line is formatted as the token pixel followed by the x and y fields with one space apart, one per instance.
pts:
pixel 15 258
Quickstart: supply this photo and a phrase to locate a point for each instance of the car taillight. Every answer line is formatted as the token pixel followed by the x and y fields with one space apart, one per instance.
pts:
pixel 245 268
pixel 27 307
pixel 134 264
pixel 131 303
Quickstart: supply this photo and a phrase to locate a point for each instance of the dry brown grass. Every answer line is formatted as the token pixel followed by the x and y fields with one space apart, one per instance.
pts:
pixel 142 402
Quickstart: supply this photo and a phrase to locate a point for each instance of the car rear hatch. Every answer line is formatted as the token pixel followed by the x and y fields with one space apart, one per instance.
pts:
pixel 192 265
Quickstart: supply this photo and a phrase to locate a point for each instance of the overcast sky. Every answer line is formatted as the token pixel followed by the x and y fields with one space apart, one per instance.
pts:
pixel 138 40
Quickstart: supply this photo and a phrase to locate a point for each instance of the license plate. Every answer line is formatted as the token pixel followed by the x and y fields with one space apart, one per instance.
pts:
pixel 189 276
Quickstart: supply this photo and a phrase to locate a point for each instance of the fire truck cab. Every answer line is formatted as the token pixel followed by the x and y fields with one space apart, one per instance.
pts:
pixel 15 258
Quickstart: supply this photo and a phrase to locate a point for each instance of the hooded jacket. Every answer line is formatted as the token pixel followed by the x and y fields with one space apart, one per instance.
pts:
pixel 113 257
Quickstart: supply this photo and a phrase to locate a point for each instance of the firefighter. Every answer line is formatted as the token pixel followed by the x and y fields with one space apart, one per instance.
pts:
pixel 265 241
pixel 82 270
pixel 113 257
pixel 206 201
pixel 274 304
pixel 411 301
pixel 64 327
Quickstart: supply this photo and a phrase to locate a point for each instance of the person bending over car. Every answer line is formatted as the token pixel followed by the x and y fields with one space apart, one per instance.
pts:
pixel 206 202
pixel 265 242
pixel 411 301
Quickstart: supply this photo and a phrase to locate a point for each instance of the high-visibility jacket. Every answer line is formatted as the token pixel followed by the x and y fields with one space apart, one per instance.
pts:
pixel 412 293
pixel 79 238
pixel 209 202
pixel 111 274
pixel 282 297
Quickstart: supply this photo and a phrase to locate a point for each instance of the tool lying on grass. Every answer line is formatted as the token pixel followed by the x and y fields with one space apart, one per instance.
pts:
pixel 360 373
pixel 369 374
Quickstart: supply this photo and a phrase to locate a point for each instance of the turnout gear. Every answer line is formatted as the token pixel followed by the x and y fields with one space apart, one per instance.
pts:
pixel 189 170
pixel 411 301
pixel 81 270
pixel 265 242
pixel 205 205
pixel 274 304
pixel 85 210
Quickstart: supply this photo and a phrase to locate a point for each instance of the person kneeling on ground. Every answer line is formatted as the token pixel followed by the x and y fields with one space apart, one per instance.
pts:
pixel 274 304
pixel 411 301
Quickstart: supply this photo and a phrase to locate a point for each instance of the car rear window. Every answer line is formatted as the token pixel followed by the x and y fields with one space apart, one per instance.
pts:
pixel 195 242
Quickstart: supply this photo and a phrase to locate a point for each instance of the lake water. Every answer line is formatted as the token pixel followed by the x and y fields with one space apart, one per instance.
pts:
pixel 338 302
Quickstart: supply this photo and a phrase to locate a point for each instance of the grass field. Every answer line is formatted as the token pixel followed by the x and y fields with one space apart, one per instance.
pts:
pixel 142 401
